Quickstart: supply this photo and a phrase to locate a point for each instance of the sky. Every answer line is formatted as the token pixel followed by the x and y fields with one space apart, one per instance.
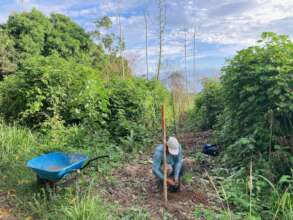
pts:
pixel 222 28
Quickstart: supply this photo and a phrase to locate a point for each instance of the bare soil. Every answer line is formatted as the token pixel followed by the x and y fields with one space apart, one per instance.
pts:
pixel 135 185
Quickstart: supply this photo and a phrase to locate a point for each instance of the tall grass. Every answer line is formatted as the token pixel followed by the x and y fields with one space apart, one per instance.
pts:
pixel 256 197
pixel 14 141
pixel 18 183
pixel 85 208
pixel 247 195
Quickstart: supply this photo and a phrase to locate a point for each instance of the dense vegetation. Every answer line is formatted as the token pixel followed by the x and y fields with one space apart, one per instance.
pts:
pixel 63 89
pixel 252 112
pixel 62 75
pixel 208 104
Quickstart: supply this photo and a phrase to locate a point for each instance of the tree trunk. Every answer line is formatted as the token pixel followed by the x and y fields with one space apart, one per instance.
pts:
pixel 121 44
pixel 162 22
pixel 185 61
pixel 146 45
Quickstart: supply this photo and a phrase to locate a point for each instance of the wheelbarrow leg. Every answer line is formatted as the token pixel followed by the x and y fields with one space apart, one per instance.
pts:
pixel 45 183
pixel 40 181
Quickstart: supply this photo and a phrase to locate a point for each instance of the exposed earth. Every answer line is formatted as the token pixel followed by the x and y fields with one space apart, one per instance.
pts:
pixel 135 186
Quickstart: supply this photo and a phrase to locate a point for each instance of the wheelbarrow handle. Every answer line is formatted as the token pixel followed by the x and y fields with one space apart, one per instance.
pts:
pixel 93 159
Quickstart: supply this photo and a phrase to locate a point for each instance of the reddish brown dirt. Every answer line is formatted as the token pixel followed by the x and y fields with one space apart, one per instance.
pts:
pixel 135 186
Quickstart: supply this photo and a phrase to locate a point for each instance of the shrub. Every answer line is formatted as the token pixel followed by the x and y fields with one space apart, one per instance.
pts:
pixel 257 85
pixel 135 110
pixel 256 125
pixel 46 87
pixel 208 105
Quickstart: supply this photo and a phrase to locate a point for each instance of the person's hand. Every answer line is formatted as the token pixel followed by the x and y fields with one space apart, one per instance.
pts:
pixel 176 182
pixel 171 182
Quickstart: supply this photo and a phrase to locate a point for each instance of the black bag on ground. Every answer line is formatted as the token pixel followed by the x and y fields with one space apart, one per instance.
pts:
pixel 211 149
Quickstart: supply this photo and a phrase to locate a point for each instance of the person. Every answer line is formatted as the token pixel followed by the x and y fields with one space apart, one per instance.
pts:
pixel 174 164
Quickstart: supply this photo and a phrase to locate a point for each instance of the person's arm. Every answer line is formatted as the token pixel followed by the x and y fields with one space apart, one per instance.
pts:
pixel 178 165
pixel 157 159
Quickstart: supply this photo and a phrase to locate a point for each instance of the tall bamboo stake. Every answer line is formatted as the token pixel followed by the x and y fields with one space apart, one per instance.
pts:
pixel 165 154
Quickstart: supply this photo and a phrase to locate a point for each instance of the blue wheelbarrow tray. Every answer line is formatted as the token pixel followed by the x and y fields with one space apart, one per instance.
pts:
pixel 53 166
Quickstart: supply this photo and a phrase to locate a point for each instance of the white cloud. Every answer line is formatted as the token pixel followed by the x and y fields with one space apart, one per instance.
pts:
pixel 222 27
pixel 244 27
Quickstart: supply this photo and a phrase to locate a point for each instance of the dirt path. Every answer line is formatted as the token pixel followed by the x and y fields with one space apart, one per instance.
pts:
pixel 135 186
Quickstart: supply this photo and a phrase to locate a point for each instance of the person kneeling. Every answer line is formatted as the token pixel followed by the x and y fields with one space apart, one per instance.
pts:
pixel 174 164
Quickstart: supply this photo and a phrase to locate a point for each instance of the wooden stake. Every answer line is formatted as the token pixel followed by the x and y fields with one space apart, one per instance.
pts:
pixel 165 154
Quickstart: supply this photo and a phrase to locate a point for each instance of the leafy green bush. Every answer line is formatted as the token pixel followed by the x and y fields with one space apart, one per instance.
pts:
pixel 66 38
pixel 28 30
pixel 46 87
pixel 208 105
pixel 135 110
pixel 36 34
pixel 256 125
pixel 257 85
pixel 257 119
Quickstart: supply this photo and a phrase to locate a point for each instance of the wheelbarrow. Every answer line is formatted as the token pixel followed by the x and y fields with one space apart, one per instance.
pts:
pixel 52 167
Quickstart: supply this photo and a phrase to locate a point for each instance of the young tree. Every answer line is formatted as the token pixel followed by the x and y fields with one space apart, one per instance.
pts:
pixel 107 39
pixel 146 44
pixel 194 52
pixel 162 24
pixel 107 42
pixel 185 59
pixel 121 42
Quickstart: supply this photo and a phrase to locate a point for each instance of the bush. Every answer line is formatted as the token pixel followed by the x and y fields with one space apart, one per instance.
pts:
pixel 208 105
pixel 257 85
pixel 47 87
pixel 135 110
pixel 256 127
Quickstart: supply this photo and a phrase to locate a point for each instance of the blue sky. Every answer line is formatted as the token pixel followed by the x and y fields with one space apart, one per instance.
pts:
pixel 222 28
